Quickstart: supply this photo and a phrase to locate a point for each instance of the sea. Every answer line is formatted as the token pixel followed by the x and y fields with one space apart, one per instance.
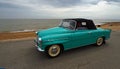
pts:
pixel 22 25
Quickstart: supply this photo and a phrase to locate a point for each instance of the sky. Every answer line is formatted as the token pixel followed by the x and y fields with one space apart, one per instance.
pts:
pixel 97 9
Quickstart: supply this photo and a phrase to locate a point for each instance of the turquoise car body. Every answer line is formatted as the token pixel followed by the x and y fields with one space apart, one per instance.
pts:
pixel 69 38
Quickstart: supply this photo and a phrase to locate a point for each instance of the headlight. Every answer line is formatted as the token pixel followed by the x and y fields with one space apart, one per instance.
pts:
pixel 36 32
pixel 39 39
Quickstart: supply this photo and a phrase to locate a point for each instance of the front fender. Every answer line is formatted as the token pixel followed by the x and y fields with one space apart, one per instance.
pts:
pixel 55 39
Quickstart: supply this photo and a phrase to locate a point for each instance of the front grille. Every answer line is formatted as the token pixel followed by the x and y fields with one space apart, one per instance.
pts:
pixel 37 40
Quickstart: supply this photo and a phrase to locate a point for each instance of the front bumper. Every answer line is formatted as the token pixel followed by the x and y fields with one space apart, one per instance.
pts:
pixel 37 45
pixel 39 49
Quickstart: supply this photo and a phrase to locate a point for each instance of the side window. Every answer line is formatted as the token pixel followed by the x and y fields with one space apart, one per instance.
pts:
pixel 83 26
pixel 83 23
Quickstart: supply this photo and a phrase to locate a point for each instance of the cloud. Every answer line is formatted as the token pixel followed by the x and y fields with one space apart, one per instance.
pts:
pixel 113 0
pixel 61 3
pixel 59 8
pixel 66 3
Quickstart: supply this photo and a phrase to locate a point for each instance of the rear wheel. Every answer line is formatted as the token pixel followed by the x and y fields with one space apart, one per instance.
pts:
pixel 100 41
pixel 53 50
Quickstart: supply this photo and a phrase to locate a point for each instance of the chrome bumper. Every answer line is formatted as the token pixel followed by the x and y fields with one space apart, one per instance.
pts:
pixel 38 48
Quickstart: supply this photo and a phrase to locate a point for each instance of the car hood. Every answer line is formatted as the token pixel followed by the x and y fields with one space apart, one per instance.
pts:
pixel 52 31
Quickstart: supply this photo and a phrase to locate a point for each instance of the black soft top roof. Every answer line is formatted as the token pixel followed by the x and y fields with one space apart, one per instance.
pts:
pixel 79 19
pixel 90 24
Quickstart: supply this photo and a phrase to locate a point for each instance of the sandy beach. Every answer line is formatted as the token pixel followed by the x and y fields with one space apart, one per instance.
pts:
pixel 16 35
pixel 114 26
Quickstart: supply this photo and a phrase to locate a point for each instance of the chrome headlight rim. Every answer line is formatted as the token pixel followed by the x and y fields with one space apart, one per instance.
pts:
pixel 36 32
pixel 40 39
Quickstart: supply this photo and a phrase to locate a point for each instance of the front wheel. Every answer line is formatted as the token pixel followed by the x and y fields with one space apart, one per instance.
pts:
pixel 100 41
pixel 53 50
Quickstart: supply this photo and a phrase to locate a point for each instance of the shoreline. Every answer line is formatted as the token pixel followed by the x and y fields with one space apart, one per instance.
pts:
pixel 28 34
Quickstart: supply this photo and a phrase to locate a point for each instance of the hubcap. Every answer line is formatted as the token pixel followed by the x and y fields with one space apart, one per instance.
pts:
pixel 99 41
pixel 54 50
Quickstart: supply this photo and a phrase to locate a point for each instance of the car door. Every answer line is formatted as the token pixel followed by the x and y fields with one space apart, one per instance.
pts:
pixel 81 38
pixel 82 35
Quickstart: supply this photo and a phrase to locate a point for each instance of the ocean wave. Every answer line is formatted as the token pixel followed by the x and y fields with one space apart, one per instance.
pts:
pixel 26 30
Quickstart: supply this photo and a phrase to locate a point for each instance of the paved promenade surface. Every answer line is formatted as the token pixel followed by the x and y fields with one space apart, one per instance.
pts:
pixel 22 54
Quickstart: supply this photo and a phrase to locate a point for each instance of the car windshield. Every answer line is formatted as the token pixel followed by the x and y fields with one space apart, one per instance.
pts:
pixel 70 24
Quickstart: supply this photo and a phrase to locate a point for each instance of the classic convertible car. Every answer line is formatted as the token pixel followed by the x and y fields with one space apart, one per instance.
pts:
pixel 71 33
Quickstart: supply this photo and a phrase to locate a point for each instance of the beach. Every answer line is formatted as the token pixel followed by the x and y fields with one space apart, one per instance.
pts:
pixel 17 35
pixel 114 26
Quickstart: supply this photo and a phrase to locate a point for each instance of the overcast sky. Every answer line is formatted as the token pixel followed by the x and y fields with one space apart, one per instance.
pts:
pixel 97 9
